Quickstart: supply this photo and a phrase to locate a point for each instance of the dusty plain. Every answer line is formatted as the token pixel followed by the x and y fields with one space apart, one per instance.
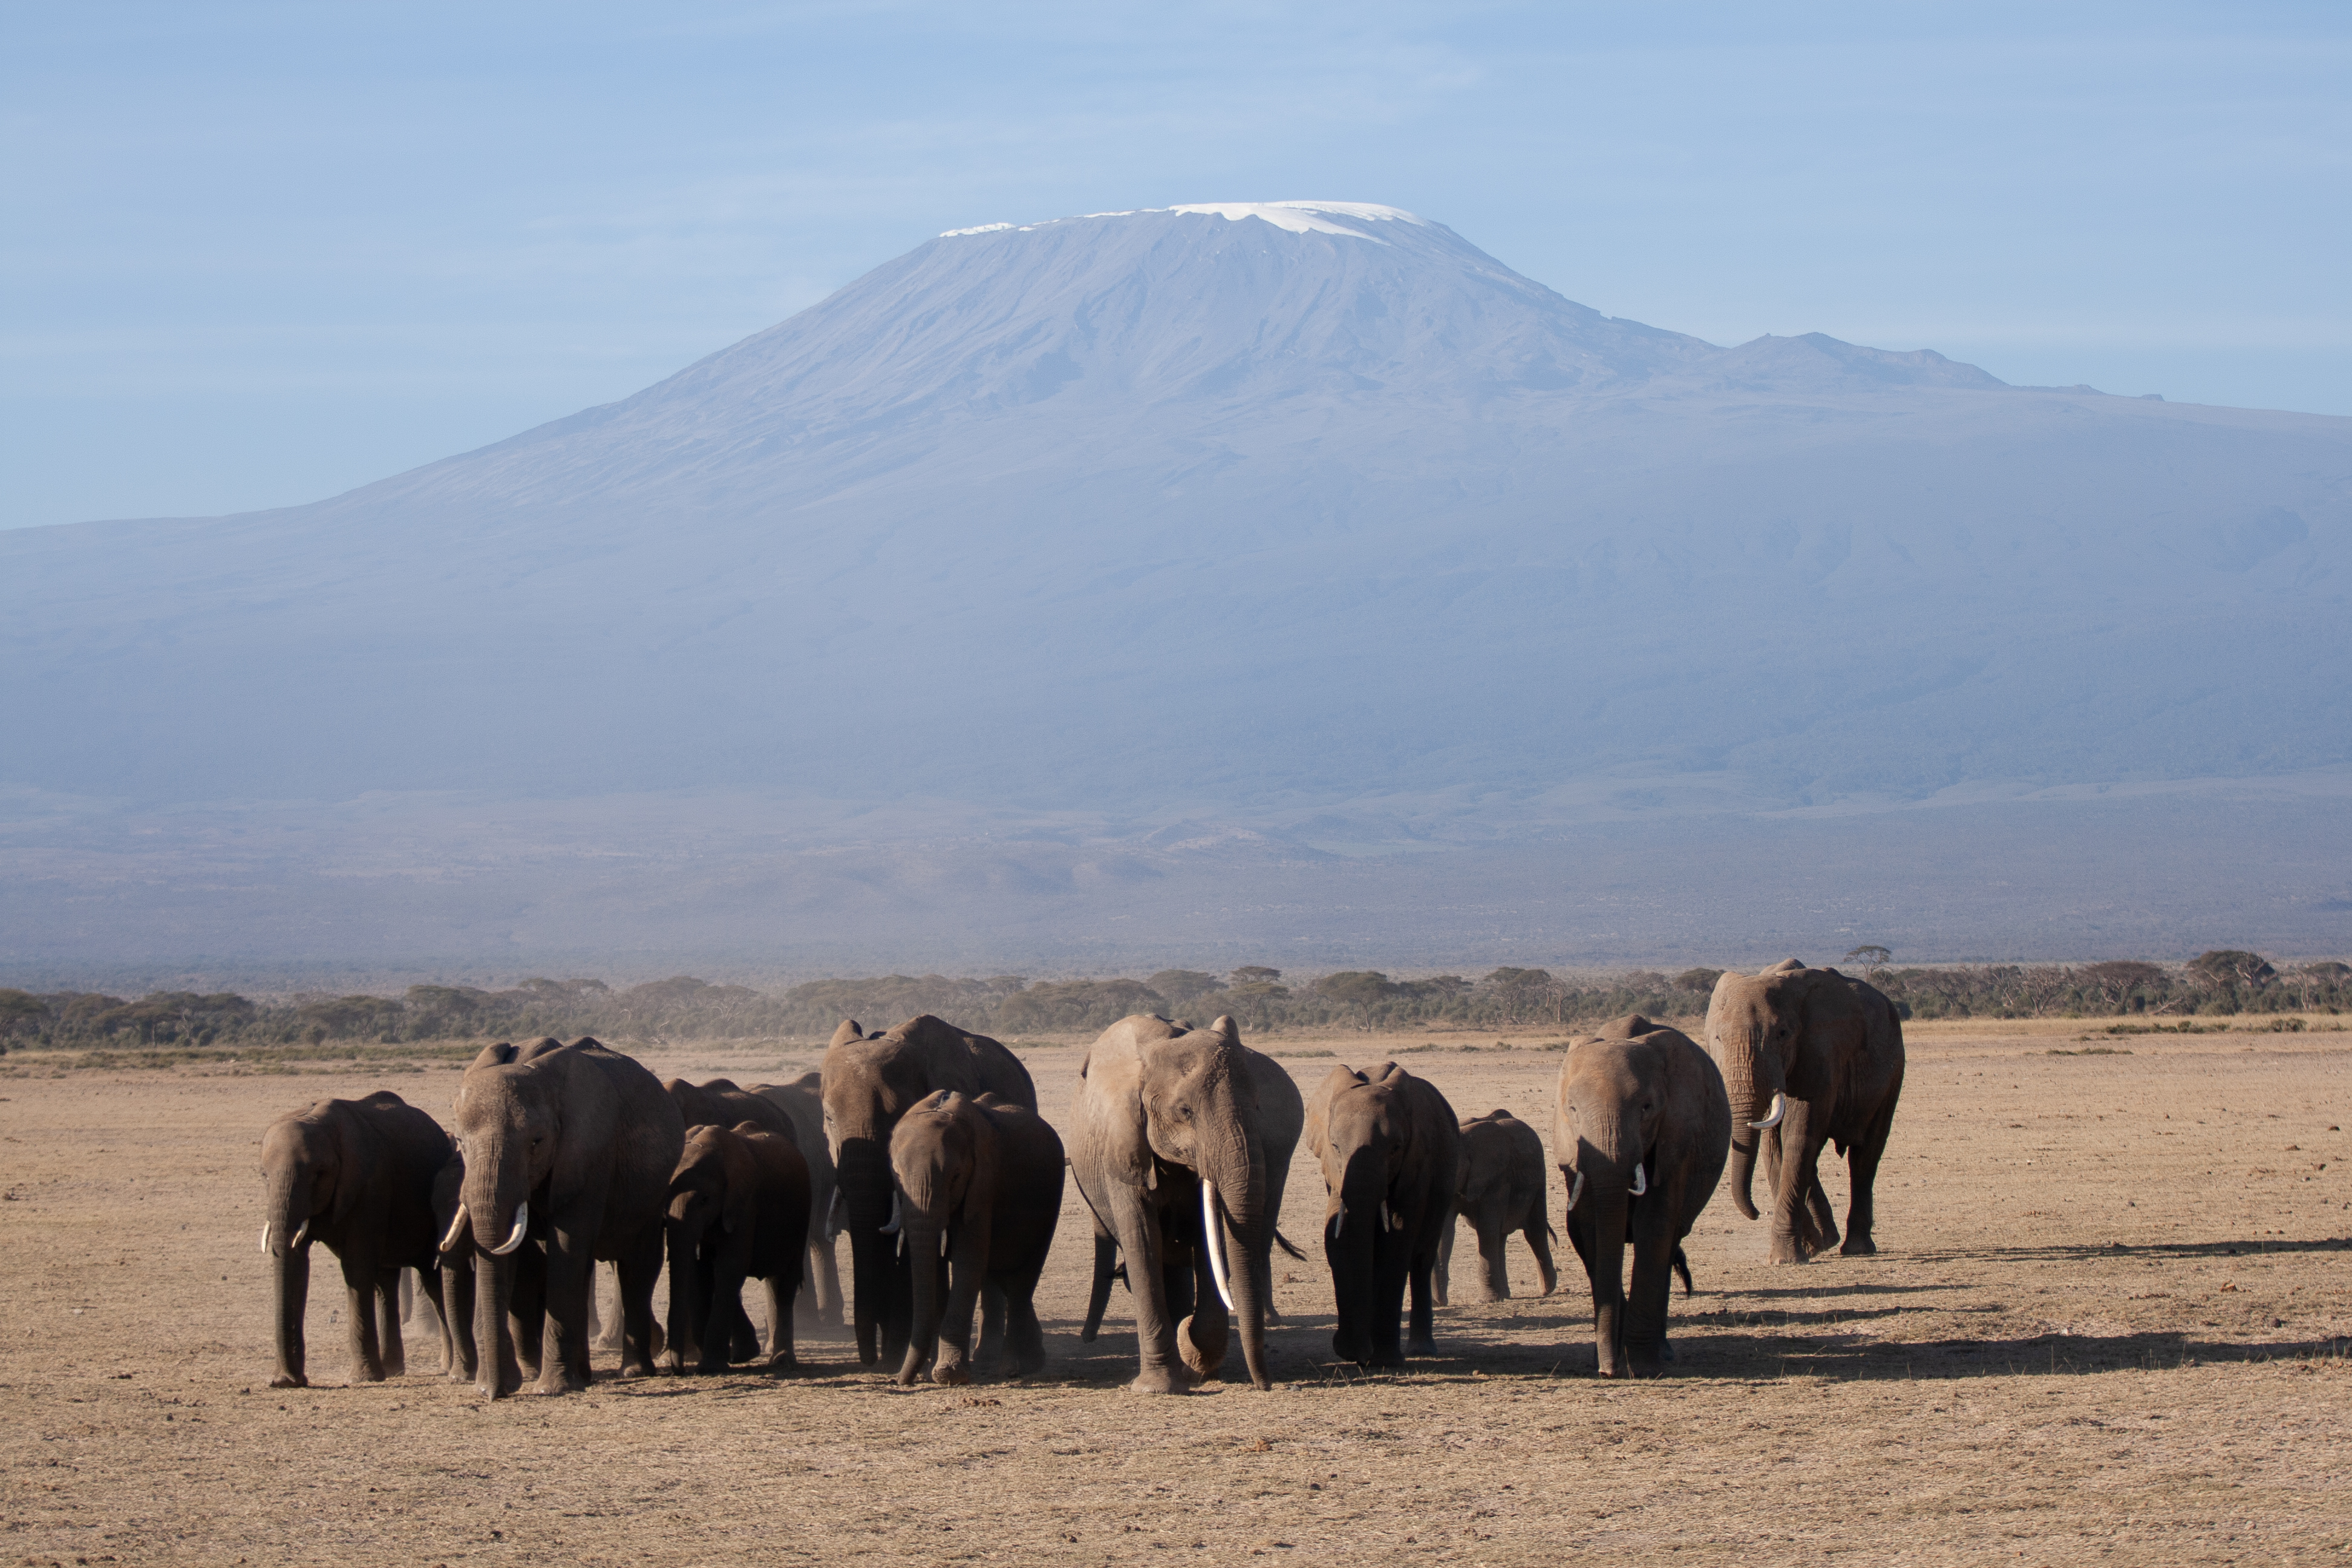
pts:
pixel 2107 1323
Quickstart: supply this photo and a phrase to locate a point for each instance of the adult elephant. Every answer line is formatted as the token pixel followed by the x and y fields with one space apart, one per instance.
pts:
pixel 1640 1131
pixel 803 1100
pixel 720 1103
pixel 869 1083
pixel 357 1175
pixel 1810 1057
pixel 569 1148
pixel 1180 1142
pixel 1390 1149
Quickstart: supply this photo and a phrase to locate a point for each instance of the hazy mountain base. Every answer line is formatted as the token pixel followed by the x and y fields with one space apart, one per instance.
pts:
pixel 386 891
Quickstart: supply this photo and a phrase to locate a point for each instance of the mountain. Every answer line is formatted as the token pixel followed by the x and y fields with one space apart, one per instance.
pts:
pixel 1306 521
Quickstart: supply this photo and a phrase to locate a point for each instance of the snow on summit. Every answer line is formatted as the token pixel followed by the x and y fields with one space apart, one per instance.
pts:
pixel 1299 218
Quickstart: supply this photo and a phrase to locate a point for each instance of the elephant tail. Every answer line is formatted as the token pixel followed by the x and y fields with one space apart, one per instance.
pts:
pixel 1284 1242
pixel 1682 1267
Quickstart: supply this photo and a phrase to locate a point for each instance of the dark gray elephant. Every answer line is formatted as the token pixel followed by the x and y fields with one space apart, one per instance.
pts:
pixel 357 1175
pixel 803 1100
pixel 1180 1142
pixel 1810 1057
pixel 1501 1190
pixel 526 1324
pixel 568 1148
pixel 738 1210
pixel 720 1103
pixel 868 1081
pixel 979 1191
pixel 1390 1149
pixel 1641 1130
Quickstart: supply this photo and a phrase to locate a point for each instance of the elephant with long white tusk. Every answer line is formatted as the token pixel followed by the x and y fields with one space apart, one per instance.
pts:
pixel 1810 1057
pixel 1390 1149
pixel 357 1176
pixel 1640 1131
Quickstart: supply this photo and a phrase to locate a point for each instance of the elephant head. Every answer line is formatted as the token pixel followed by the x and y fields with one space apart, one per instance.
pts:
pixel 1201 1113
pixel 1614 1101
pixel 1753 1022
pixel 301 1165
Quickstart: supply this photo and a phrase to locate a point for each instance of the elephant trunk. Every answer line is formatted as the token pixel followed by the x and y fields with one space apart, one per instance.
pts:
pixel 1351 1242
pixel 1603 1213
pixel 497 1371
pixel 864 1180
pixel 498 1197
pixel 286 1214
pixel 926 1238
pixel 1752 1083
pixel 686 1304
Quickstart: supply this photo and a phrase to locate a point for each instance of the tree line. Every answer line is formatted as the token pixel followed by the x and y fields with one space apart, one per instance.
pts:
pixel 2220 982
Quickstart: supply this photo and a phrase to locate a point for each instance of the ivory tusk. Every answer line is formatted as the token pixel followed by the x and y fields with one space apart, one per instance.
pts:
pixel 457 1229
pixel 1213 1234
pixel 1641 1181
pixel 265 1238
pixel 299 1232
pixel 892 1228
pixel 1575 1189
pixel 943 1244
pixel 836 1215
pixel 1388 1222
pixel 1780 1108
pixel 1339 1223
pixel 521 1225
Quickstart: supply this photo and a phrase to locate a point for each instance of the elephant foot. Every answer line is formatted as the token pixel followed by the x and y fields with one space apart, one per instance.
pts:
pixel 1786 1251
pixel 783 1361
pixel 951 1376
pixel 369 1374
pixel 1421 1347
pixel 1162 1380
pixel 637 1369
pixel 558 1379
pixel 290 1380
pixel 1859 1247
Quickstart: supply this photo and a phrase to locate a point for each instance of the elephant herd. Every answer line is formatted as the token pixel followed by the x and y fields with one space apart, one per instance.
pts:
pixel 924 1144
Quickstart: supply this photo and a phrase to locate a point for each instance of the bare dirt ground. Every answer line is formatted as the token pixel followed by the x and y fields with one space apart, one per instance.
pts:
pixel 2107 1324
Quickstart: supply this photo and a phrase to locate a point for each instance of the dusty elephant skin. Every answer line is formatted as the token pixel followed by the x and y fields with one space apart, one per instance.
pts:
pixel 356 1175
pixel 980 1190
pixel 738 1210
pixel 1641 1130
pixel 720 1103
pixel 1501 1190
pixel 803 1100
pixel 568 1148
pixel 526 1324
pixel 1180 1142
pixel 868 1081
pixel 1390 1149
pixel 1810 1057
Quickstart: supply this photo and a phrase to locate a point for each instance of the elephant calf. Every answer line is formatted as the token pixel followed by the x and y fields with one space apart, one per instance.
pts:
pixel 1390 1149
pixel 979 1193
pixel 738 1210
pixel 356 1175
pixel 1501 1190
pixel 1642 1130
pixel 803 1100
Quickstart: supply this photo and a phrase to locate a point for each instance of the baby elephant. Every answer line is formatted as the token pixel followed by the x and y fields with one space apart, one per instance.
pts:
pixel 1643 1132
pixel 1391 1152
pixel 1501 1190
pixel 356 1175
pixel 979 1191
pixel 739 1209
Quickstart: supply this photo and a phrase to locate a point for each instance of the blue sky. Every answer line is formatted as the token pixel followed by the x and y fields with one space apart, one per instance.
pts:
pixel 258 254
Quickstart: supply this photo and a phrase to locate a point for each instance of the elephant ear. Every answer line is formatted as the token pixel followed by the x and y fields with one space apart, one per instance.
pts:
pixel 1222 1024
pixel 1786 966
pixel 496 1056
pixel 849 1029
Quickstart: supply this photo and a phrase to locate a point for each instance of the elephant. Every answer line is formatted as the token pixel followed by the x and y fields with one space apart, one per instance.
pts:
pixel 1641 1129
pixel 1390 1149
pixel 1810 1057
pixel 1500 1190
pixel 356 1175
pixel 979 1191
pixel 739 1209
pixel 803 1100
pixel 720 1103
pixel 570 1148
pixel 1180 1142
pixel 868 1081
pixel 458 1268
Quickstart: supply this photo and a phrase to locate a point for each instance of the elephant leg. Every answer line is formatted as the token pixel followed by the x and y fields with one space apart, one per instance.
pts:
pixel 1203 1336
pixel 1135 1221
pixel 526 1319
pixel 1495 1273
pixel 1793 1172
pixel 1391 1266
pixel 782 1288
pixel 641 1337
pixel 1538 1234
pixel 723 1331
pixel 571 1276
pixel 1421 1339
pixel 293 1290
pixel 744 1336
pixel 828 1284
pixel 360 1276
pixel 1862 1174
pixel 1099 1296
pixel 1024 1337
pixel 1820 1230
pixel 1441 1277
pixel 391 1342
pixel 1645 1303
pixel 991 1328
pixel 458 1320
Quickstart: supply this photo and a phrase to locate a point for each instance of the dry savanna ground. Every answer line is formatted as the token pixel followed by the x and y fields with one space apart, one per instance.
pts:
pixel 2107 1325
